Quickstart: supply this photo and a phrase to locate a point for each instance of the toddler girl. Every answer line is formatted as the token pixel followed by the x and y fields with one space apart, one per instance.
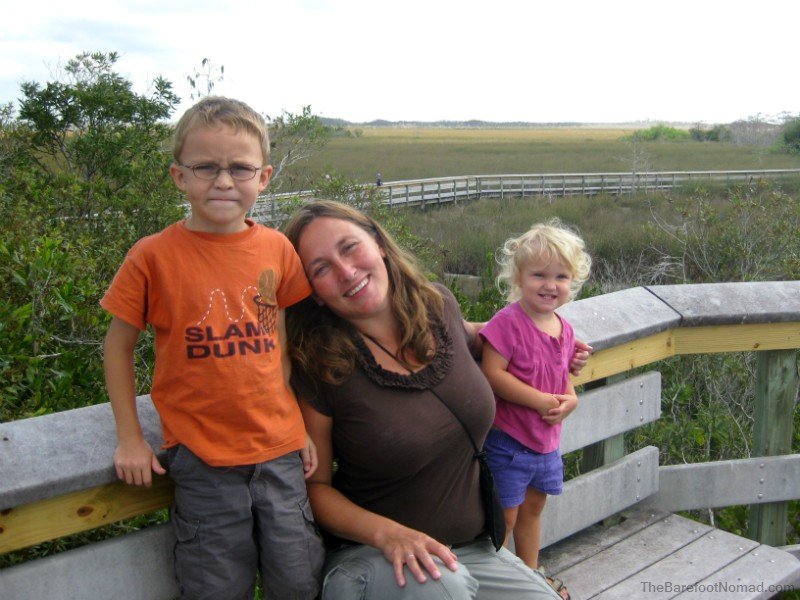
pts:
pixel 526 360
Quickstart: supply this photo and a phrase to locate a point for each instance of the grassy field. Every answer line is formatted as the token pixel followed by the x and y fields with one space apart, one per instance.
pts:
pixel 400 153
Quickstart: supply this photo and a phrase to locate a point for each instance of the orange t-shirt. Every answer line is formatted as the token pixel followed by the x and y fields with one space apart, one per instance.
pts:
pixel 213 303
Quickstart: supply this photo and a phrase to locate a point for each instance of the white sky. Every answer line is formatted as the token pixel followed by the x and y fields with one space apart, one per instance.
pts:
pixel 502 60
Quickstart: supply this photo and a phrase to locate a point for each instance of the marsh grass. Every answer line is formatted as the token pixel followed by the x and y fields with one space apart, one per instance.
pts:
pixel 618 229
pixel 416 153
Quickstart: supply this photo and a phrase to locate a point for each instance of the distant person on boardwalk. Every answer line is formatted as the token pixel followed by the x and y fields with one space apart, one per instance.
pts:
pixel 526 358
pixel 214 288
pixel 378 180
pixel 378 351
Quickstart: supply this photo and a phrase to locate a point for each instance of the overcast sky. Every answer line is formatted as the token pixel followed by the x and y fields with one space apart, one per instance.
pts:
pixel 500 60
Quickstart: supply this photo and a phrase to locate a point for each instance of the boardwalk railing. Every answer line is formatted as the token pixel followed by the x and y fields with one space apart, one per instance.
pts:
pixel 58 478
pixel 441 190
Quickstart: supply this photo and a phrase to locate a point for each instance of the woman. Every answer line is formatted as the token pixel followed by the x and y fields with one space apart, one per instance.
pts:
pixel 368 347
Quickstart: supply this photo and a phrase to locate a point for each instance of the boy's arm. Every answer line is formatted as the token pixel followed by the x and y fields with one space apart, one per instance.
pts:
pixel 508 387
pixel 134 458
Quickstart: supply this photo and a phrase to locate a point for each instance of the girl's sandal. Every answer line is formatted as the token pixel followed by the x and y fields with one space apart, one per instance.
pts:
pixel 555 583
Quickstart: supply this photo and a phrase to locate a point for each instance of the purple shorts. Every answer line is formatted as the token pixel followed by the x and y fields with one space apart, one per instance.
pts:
pixel 516 467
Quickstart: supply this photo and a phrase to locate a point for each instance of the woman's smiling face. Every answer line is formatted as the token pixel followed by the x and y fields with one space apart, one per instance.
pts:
pixel 346 268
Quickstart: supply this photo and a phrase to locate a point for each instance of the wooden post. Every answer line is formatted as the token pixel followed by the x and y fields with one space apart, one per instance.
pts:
pixel 776 390
pixel 501 188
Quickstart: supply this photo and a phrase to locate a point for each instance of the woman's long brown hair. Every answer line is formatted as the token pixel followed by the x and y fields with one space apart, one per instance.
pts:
pixel 319 341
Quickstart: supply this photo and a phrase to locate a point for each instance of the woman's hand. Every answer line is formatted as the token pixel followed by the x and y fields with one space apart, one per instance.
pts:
pixel 582 352
pixel 415 550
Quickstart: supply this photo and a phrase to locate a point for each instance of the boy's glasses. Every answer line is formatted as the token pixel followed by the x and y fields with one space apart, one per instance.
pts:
pixel 209 172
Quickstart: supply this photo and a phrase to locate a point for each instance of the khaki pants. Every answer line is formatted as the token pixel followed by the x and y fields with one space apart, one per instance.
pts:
pixel 232 521
pixel 362 572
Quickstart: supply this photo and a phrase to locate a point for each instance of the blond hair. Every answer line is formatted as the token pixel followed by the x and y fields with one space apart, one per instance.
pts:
pixel 217 110
pixel 320 344
pixel 543 243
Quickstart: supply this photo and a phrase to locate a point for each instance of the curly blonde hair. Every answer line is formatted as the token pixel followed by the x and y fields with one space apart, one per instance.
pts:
pixel 319 339
pixel 543 243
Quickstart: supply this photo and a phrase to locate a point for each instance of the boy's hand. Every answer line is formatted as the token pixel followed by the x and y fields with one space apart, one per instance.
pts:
pixel 566 404
pixel 135 463
pixel 582 352
pixel 309 457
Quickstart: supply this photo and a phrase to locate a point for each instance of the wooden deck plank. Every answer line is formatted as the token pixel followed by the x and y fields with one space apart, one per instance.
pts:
pixel 753 576
pixel 585 544
pixel 688 566
pixel 635 553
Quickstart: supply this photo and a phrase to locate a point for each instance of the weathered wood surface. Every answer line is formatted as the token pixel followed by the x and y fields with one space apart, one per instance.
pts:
pixel 611 488
pixel 64 452
pixel 138 566
pixel 660 555
pixel 437 190
pixel 609 410
pixel 727 483
pixel 37 522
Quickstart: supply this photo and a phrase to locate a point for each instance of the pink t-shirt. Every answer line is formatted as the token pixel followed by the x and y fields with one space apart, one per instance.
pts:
pixel 537 359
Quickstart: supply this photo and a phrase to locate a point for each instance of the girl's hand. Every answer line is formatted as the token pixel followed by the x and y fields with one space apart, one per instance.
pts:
pixel 546 403
pixel 404 547
pixel 566 404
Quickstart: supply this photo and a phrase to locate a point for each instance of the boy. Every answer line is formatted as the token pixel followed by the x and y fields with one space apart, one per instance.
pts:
pixel 214 288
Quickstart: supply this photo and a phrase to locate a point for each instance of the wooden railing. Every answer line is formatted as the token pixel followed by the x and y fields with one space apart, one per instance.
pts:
pixel 442 190
pixel 58 478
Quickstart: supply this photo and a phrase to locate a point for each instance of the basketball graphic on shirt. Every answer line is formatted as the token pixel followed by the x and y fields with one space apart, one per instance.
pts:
pixel 266 300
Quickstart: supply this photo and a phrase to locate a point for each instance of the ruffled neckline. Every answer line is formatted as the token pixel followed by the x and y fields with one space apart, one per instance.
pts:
pixel 427 377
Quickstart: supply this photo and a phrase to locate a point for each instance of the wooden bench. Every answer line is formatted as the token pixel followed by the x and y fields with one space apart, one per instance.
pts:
pixel 57 476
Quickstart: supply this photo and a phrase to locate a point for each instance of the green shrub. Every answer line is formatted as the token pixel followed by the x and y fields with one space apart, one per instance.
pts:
pixel 84 175
pixel 660 132
pixel 790 135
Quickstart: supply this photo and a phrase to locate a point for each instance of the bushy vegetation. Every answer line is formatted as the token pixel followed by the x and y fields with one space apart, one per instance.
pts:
pixel 84 174
pixel 659 132
pixel 717 133
pixel 790 135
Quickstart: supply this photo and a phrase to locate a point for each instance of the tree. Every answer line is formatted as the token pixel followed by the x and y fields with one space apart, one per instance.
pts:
pixel 83 175
pixel 790 134
pixel 294 137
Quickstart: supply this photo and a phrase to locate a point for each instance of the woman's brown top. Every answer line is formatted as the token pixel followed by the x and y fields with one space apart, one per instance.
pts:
pixel 400 452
